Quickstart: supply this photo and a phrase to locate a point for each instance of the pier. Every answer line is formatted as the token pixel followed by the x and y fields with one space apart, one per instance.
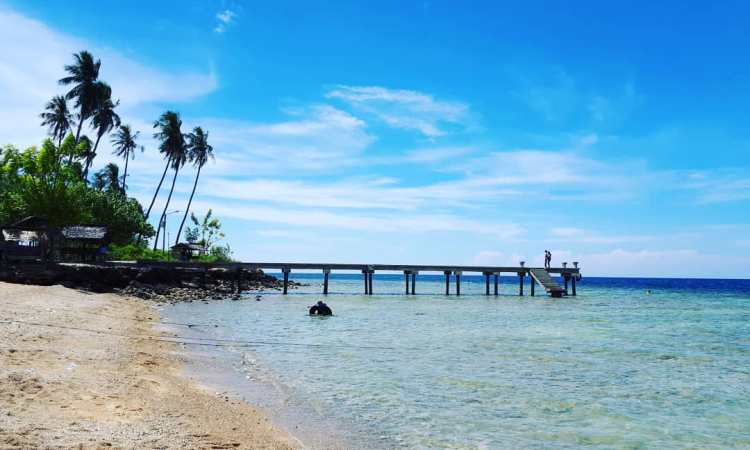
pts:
pixel 536 275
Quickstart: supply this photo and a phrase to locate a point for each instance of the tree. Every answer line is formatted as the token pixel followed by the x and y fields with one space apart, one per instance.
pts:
pixel 83 75
pixel 199 152
pixel 57 118
pixel 108 179
pixel 208 228
pixel 124 145
pixel 172 144
pixel 36 182
pixel 104 119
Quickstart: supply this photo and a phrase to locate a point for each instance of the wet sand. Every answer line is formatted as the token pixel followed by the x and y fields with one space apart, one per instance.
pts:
pixel 81 370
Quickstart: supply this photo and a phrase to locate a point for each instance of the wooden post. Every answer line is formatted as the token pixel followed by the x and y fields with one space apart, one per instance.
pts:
pixel 369 283
pixel 496 285
pixel 520 284
pixel 566 277
pixel 286 271
pixel 573 281
pixel 447 282
pixel 413 282
pixel 458 283
pixel 325 281
pixel 406 281
pixel 533 284
pixel 364 272
pixel 486 283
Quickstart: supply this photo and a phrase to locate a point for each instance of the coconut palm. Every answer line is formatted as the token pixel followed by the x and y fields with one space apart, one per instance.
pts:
pixel 57 117
pixel 172 144
pixel 104 118
pixel 124 147
pixel 108 178
pixel 84 74
pixel 199 152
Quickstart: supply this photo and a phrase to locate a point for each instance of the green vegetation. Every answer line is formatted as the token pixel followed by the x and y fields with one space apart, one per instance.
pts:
pixel 53 182
pixel 38 182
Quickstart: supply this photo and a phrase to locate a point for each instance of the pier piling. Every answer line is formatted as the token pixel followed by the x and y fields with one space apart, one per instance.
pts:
pixel 565 286
pixel 573 285
pixel 369 282
pixel 520 283
pixel 447 282
pixel 325 280
pixel 496 276
pixel 486 283
pixel 364 272
pixel 532 285
pixel 414 282
pixel 406 281
pixel 458 282
pixel 286 271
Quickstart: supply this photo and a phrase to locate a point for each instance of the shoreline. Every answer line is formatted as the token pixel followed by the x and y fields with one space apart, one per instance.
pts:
pixel 240 373
pixel 94 370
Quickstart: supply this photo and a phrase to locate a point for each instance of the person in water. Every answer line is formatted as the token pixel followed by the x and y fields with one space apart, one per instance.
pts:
pixel 320 309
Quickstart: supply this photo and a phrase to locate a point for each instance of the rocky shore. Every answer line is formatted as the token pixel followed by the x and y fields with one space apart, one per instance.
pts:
pixel 156 283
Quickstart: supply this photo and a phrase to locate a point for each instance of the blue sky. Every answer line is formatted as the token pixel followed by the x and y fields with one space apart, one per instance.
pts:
pixel 427 132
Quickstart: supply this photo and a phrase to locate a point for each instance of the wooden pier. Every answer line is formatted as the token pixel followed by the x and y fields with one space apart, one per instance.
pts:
pixel 536 275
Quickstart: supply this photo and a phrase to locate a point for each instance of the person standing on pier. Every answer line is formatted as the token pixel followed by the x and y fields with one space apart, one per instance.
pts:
pixel 547 259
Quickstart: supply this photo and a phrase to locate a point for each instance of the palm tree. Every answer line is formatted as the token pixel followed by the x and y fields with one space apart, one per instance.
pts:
pixel 108 178
pixel 124 144
pixel 104 119
pixel 199 152
pixel 83 76
pixel 172 144
pixel 57 117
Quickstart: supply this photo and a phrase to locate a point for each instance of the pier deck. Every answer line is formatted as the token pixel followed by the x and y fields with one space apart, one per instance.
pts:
pixel 410 271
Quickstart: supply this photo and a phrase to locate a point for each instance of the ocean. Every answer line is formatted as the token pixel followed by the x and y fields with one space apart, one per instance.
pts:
pixel 628 363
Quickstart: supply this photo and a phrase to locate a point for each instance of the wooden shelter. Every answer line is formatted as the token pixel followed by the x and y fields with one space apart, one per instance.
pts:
pixel 25 240
pixel 82 242
pixel 186 251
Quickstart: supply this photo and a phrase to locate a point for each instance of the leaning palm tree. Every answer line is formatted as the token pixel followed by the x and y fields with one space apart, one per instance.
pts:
pixel 104 119
pixel 172 144
pixel 124 147
pixel 84 74
pixel 57 117
pixel 199 152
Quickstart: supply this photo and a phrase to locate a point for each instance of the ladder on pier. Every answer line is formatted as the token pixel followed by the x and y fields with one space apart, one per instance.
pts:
pixel 545 280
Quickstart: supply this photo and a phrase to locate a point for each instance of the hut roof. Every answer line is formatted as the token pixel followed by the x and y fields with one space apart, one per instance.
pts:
pixel 84 232
pixel 30 222
pixel 14 234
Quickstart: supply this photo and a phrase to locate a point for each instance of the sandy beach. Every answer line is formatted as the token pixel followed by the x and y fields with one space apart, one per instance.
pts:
pixel 82 370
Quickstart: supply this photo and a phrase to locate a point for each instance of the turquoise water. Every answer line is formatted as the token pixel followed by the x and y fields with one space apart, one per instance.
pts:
pixel 614 367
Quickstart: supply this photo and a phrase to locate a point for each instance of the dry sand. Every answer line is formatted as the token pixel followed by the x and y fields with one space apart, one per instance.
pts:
pixel 66 388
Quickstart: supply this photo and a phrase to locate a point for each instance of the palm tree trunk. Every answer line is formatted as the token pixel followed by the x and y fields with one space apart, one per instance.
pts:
pixel 80 125
pixel 197 175
pixel 125 174
pixel 90 159
pixel 158 188
pixel 166 206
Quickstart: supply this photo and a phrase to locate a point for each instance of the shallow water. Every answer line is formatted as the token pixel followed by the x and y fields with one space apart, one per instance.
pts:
pixel 614 367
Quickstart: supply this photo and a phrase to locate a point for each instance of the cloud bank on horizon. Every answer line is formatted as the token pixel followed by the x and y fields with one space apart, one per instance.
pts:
pixel 392 163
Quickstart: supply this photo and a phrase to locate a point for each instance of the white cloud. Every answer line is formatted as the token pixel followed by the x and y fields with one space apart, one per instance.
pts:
pixel 224 19
pixel 33 61
pixel 580 235
pixel 379 223
pixel 410 110
pixel 717 186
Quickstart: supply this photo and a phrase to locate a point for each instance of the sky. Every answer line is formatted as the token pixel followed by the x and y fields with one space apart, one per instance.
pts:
pixel 427 132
